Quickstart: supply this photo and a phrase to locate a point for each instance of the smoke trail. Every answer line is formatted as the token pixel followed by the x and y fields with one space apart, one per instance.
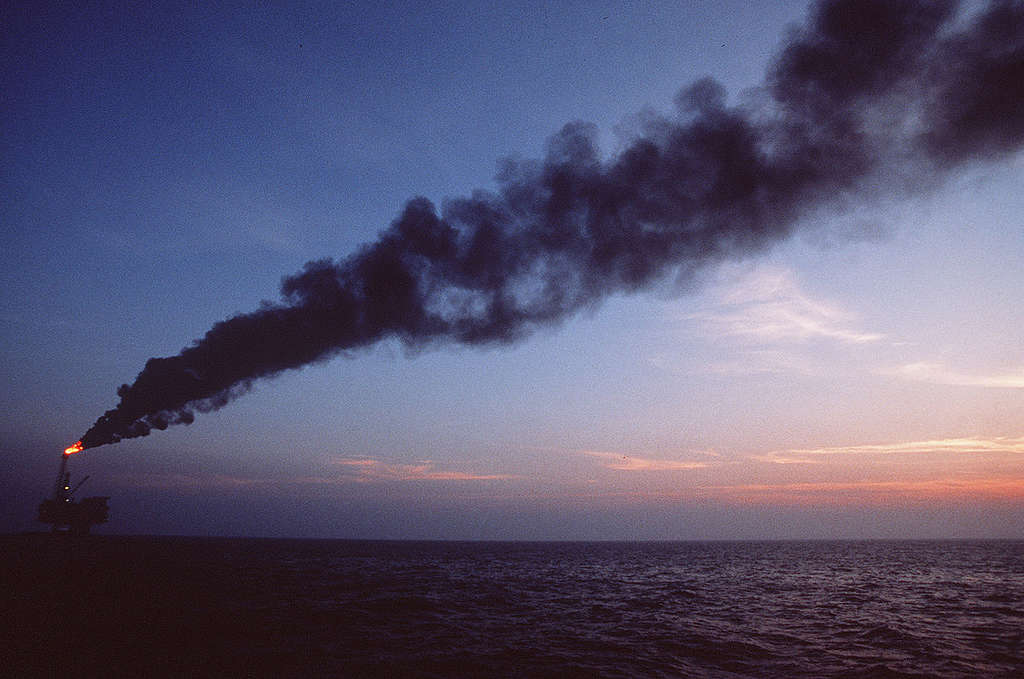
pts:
pixel 867 92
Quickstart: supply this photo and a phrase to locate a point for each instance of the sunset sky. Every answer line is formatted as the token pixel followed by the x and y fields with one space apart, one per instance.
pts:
pixel 164 167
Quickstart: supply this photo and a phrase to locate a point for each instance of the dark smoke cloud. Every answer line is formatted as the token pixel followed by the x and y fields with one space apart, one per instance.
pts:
pixel 868 91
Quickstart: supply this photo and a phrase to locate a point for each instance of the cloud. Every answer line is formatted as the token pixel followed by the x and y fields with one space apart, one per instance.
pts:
pixel 998 444
pixel 832 492
pixel 764 361
pixel 767 306
pixel 369 469
pixel 189 482
pixel 628 463
pixel 781 458
pixel 937 373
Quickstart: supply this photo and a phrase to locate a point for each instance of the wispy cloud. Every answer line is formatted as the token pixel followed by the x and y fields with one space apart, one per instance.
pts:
pixel 768 306
pixel 785 458
pixel 370 469
pixel 871 491
pixel 629 463
pixel 189 481
pixel 999 444
pixel 764 361
pixel 937 373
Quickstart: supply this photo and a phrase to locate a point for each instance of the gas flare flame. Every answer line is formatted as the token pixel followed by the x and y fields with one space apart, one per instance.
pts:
pixel 76 447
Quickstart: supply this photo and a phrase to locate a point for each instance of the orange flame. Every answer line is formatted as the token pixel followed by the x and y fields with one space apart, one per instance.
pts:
pixel 76 448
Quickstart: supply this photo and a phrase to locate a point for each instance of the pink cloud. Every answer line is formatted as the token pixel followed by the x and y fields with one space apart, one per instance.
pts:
pixel 629 463
pixel 368 469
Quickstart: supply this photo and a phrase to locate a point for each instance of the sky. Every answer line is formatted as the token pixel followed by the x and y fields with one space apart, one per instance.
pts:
pixel 852 370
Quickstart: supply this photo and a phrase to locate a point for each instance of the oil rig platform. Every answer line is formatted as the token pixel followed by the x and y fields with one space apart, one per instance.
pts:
pixel 67 515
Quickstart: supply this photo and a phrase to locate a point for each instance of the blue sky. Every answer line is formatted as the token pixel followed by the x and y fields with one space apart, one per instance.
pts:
pixel 165 168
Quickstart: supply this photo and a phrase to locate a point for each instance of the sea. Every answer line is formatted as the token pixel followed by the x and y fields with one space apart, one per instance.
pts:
pixel 83 606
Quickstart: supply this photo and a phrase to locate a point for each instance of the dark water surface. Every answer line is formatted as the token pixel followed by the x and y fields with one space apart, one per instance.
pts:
pixel 118 606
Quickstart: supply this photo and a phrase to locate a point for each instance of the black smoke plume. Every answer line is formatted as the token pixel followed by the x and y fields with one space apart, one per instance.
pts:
pixel 869 93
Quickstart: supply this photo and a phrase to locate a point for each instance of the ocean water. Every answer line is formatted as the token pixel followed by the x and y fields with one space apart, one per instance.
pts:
pixel 111 606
